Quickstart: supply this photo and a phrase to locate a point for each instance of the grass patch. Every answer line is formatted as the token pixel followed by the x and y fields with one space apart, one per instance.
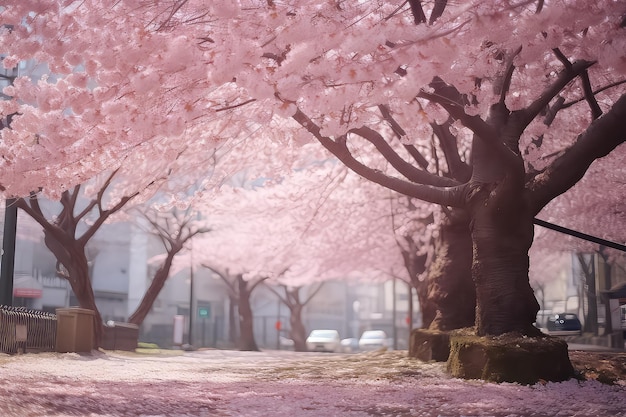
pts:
pixel 146 345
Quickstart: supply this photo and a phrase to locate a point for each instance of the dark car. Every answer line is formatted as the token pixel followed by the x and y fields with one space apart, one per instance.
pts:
pixel 564 324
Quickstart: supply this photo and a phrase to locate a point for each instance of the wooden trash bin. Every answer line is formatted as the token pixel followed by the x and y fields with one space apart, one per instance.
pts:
pixel 75 330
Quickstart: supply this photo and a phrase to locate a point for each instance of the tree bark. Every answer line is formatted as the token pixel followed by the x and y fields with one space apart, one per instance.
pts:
pixel 502 232
pixel 416 265
pixel 153 291
pixel 233 334
pixel 298 331
pixel 72 256
pixel 589 292
pixel 450 286
pixel 246 321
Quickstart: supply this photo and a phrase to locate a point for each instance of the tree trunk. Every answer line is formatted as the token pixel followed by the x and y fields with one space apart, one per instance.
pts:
pixel 608 317
pixel 246 321
pixel 232 320
pixel 450 287
pixel 416 265
pixel 502 232
pixel 298 332
pixel 410 312
pixel 72 256
pixel 589 292
pixel 153 291
pixel 84 294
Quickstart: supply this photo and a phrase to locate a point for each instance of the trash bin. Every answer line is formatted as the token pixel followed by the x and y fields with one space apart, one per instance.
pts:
pixel 120 336
pixel 75 329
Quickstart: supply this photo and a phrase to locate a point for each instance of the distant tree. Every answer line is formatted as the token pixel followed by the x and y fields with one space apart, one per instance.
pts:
pixel 174 229
pixel 291 298
pixel 414 242
pixel 589 293
pixel 240 290
pixel 284 232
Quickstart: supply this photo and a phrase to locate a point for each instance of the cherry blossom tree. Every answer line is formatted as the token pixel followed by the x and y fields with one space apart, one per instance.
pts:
pixel 465 66
pixel 240 290
pixel 533 91
pixel 505 190
pixel 461 64
pixel 296 302
pixel 285 235
pixel 173 229
pixel 67 234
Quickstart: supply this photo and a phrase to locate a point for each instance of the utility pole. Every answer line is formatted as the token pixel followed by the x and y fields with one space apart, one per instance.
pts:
pixel 10 214
pixel 191 295
pixel 8 253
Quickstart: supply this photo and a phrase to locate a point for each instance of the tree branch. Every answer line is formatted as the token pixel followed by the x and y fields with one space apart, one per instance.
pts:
pixel 508 76
pixel 561 57
pixel 312 294
pixel 438 8
pixel 600 138
pixel 409 171
pixel 596 111
pixel 280 297
pixel 450 196
pixel 448 143
pixel 104 215
pixel 482 129
pixel 34 211
pixel 417 11
pixel 400 133
pixel 599 90
pixel 568 74
pixel 225 276
pixel 455 109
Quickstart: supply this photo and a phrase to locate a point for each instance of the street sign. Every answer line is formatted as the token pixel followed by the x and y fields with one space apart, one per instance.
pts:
pixel 204 312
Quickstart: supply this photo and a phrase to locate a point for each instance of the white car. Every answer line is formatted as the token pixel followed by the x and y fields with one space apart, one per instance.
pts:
pixel 323 341
pixel 373 339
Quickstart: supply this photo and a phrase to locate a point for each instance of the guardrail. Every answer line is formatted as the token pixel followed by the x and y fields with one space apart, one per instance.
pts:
pixel 23 330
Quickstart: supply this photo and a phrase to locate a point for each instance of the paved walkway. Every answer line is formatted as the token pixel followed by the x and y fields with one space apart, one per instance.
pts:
pixel 276 384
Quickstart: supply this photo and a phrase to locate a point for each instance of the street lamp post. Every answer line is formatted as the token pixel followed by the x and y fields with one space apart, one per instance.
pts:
pixel 191 295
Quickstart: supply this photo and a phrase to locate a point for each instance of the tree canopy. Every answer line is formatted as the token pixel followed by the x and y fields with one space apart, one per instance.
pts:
pixel 527 94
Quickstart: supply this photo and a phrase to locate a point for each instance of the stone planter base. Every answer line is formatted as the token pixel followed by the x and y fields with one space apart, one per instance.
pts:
pixel 509 358
pixel 429 345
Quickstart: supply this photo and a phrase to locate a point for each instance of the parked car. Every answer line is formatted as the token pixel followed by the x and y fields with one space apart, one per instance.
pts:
pixel 350 345
pixel 323 341
pixel 564 324
pixel 285 343
pixel 373 339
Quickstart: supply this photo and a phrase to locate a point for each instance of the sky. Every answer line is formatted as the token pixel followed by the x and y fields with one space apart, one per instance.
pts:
pixel 277 383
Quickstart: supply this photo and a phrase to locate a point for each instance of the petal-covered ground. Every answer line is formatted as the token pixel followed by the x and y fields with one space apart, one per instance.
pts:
pixel 277 383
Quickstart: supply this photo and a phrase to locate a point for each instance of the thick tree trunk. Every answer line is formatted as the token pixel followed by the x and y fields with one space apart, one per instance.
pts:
pixel 246 321
pixel 298 332
pixel 502 232
pixel 153 291
pixel 451 289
